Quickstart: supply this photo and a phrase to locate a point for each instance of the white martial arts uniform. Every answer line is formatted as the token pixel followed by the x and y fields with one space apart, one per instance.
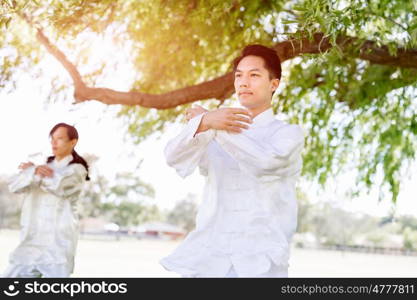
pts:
pixel 49 221
pixel 248 214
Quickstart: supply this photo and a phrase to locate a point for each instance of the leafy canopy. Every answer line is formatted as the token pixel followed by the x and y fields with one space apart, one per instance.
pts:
pixel 357 115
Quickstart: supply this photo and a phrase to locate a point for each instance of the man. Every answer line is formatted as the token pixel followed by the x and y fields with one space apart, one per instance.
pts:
pixel 251 162
pixel 49 217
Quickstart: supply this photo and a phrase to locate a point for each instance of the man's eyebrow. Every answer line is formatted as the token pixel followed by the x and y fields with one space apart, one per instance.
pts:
pixel 251 70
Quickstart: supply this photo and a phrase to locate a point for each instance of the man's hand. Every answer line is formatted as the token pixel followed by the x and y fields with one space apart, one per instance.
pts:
pixel 194 111
pixel 44 171
pixel 25 165
pixel 232 120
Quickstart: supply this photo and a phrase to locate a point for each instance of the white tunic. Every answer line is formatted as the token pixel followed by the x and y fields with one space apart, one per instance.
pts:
pixel 49 220
pixel 248 213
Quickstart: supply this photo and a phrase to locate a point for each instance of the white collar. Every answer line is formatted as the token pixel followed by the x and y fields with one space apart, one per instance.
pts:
pixel 264 118
pixel 64 161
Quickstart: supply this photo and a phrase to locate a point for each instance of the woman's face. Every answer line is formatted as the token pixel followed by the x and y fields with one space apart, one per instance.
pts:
pixel 61 144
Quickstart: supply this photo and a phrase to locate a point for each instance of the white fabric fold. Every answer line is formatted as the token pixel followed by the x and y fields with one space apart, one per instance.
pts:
pixel 186 151
pixel 65 182
pixel 248 212
pixel 21 182
pixel 277 155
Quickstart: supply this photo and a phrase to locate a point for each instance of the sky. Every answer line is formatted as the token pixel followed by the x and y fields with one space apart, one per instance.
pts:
pixel 26 118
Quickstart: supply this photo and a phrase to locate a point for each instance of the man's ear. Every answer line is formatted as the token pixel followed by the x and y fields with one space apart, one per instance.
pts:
pixel 274 84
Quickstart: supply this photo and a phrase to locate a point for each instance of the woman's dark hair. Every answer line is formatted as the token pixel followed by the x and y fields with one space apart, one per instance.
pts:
pixel 269 55
pixel 72 134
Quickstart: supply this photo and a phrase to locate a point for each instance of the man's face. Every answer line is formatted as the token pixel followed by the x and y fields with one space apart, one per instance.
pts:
pixel 252 83
pixel 61 144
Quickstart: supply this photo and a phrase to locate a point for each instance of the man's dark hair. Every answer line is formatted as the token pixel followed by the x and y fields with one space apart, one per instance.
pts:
pixel 269 55
pixel 72 134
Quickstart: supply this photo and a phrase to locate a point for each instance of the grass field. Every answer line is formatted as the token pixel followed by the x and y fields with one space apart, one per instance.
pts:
pixel 139 258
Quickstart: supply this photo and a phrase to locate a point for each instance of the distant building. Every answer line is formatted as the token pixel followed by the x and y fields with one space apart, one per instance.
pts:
pixel 159 230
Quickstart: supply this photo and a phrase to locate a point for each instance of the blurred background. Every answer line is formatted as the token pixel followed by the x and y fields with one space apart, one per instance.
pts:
pixel 349 79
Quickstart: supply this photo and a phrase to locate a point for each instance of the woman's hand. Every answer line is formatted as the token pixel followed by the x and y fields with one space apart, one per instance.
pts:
pixel 44 171
pixel 25 165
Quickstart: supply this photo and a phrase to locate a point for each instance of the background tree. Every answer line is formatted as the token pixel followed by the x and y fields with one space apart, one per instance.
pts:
pixel 129 213
pixel 127 200
pixel 10 205
pixel 349 71
pixel 184 212
pixel 329 225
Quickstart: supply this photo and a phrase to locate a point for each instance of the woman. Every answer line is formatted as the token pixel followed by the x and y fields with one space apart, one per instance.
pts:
pixel 49 221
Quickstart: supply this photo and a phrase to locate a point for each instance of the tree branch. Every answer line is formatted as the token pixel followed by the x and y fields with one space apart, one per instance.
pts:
pixel 60 56
pixel 222 87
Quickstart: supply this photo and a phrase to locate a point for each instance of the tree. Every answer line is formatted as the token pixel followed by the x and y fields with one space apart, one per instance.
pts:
pixel 184 213
pixel 410 239
pixel 126 200
pixel 350 67
pixel 128 213
pixel 10 205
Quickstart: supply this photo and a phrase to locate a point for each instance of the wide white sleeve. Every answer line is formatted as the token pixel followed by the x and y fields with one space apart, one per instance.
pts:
pixel 185 151
pixel 67 182
pixel 21 182
pixel 277 156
